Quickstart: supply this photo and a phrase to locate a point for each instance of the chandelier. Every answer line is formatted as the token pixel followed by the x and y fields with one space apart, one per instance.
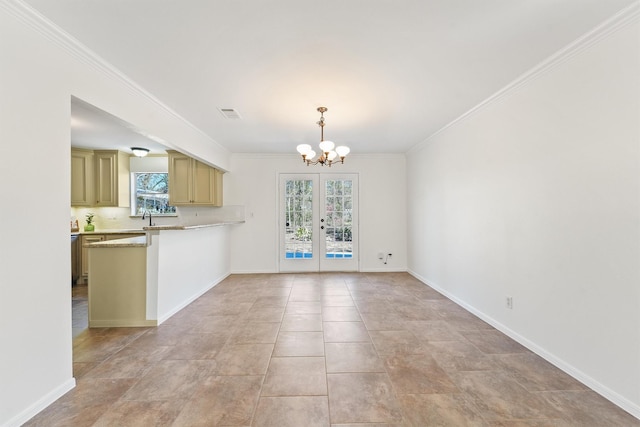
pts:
pixel 329 153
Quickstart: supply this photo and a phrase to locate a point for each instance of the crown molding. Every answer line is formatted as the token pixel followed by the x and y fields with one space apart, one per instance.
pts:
pixel 618 21
pixel 41 24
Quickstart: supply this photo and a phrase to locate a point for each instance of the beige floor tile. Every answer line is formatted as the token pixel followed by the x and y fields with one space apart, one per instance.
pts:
pixel 271 301
pixel 362 398
pixel 345 332
pixel 445 410
pixel 227 359
pixel 337 300
pixel 130 362
pixel 171 379
pixel 433 330
pixel 391 342
pixel 304 296
pixel 352 357
pixel 255 333
pixel 296 376
pixel 299 344
pixel 586 408
pixel 460 356
pixel 384 321
pixel 197 346
pixel 215 324
pixel 498 396
pixel 536 374
pixel 307 411
pixel 244 359
pixel 131 413
pixel 83 405
pixel 417 374
pixel 373 305
pixel 303 307
pixel 227 401
pixel 340 314
pixel 265 314
pixel 493 342
pixel 302 322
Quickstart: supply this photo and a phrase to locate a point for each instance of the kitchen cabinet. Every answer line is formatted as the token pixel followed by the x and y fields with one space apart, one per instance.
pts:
pixel 82 177
pixel 99 178
pixel 111 178
pixel 192 182
pixel 84 259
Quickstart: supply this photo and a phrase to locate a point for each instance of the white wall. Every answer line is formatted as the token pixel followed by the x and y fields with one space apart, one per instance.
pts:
pixel 253 182
pixel 39 72
pixel 182 279
pixel 536 196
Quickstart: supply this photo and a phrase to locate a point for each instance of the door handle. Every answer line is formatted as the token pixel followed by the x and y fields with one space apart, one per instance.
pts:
pixel 322 220
pixel 322 227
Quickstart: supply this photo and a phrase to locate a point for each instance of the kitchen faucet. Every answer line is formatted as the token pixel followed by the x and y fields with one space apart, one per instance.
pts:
pixel 144 216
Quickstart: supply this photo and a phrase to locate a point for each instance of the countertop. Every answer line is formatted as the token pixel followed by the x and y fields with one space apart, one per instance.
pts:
pixel 129 242
pixel 109 231
pixel 190 227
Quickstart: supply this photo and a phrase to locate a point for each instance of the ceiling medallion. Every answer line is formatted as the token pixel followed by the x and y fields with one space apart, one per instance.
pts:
pixel 328 150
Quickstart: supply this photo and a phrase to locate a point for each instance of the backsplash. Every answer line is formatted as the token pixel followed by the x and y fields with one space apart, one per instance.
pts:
pixel 119 218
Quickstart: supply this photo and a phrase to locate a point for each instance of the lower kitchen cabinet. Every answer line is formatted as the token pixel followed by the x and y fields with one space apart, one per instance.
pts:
pixel 84 259
pixel 92 238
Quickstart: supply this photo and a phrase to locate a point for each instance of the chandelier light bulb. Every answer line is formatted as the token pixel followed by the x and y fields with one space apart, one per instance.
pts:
pixel 332 155
pixel 342 150
pixel 311 154
pixel 327 146
pixel 304 149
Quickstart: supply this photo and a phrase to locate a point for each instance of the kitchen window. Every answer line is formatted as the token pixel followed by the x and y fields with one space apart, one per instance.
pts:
pixel 151 194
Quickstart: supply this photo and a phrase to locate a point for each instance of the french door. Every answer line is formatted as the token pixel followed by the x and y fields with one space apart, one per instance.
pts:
pixel 318 222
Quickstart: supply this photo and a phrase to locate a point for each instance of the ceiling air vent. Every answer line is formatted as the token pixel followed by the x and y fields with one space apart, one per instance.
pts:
pixel 229 113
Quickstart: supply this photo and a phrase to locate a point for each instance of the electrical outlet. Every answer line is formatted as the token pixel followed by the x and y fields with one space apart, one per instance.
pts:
pixel 509 303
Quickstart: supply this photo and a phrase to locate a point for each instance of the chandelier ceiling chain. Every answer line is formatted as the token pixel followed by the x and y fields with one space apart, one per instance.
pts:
pixel 328 150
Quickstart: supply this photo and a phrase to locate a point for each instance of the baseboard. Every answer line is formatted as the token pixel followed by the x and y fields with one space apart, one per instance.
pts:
pixel 191 299
pixel 122 323
pixel 383 270
pixel 254 272
pixel 561 364
pixel 41 403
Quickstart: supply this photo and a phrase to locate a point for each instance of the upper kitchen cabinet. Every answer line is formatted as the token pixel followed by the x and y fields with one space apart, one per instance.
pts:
pixel 82 179
pixel 192 182
pixel 99 178
pixel 111 178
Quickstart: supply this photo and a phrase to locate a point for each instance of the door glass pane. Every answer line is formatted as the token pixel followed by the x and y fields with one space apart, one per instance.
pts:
pixel 298 219
pixel 338 204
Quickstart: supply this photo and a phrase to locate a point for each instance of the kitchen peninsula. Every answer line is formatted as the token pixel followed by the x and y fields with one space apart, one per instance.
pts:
pixel 142 281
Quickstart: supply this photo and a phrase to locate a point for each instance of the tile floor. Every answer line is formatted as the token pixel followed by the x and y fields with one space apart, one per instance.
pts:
pixel 320 350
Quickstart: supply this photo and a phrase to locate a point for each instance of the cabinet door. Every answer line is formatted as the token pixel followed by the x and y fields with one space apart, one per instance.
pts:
pixel 84 259
pixel 179 179
pixel 82 180
pixel 218 188
pixel 203 184
pixel 106 179
pixel 111 178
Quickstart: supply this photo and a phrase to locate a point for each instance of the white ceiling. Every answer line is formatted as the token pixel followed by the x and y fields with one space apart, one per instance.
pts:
pixel 390 72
